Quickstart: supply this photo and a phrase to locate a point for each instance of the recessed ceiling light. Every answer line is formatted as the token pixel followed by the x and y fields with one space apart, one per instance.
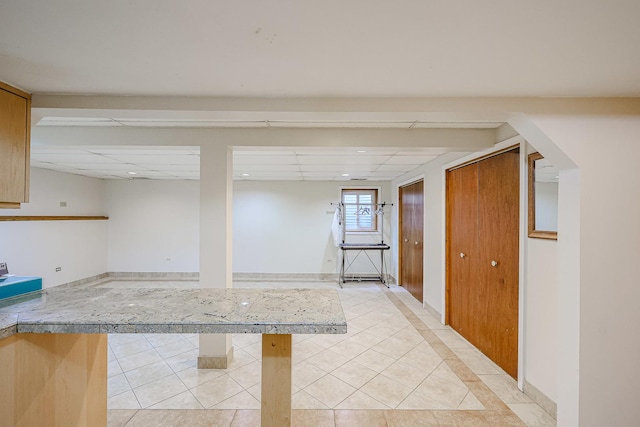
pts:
pixel 245 174
pixel 132 173
pixel 345 174
pixel 361 151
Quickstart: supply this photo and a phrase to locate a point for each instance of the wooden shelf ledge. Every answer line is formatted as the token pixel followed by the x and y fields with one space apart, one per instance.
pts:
pixel 53 218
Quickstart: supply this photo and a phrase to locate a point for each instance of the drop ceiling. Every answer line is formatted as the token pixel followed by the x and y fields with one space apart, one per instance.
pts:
pixel 183 163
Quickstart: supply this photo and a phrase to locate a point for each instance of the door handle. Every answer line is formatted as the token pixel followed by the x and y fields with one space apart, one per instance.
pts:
pixel 494 263
pixel 462 255
pixel 406 240
pixel 416 243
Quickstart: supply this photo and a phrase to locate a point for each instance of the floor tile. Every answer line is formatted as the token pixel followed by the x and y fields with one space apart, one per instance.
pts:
pixel 328 360
pixel 157 391
pixel 330 390
pixel 477 362
pixel 303 400
pixel 407 375
pixel 360 400
pixel 117 384
pixel 505 388
pixel 312 418
pixel 139 360
pixel 532 415
pixel 125 400
pixel 440 390
pixel 215 391
pixel 181 418
pixel 461 419
pixel 119 417
pixel 248 375
pixel 305 373
pixel 246 418
pixel 359 418
pixel 148 373
pixel 195 377
pixel 375 360
pixel 131 348
pixel 242 400
pixel 410 419
pixel 354 374
pixel 386 391
pixel 184 400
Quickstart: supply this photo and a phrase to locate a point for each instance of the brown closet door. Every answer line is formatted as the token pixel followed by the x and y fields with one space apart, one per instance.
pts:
pixel 498 224
pixel 411 235
pixel 482 230
pixel 463 292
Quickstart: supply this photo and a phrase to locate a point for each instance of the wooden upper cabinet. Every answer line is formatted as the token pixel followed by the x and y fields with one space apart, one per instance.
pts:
pixel 15 135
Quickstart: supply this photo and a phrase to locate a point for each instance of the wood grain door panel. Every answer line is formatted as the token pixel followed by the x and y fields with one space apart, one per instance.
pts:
pixel 411 235
pixel 483 224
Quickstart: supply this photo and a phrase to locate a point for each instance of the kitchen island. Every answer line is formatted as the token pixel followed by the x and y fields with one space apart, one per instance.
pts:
pixel 53 345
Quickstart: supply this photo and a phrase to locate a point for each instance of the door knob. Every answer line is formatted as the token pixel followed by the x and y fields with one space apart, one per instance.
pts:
pixel 494 263
pixel 406 240
pixel 416 243
pixel 462 255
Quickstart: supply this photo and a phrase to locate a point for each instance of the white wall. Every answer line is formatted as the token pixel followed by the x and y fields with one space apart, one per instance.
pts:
pixel 278 226
pixel 600 316
pixel 36 248
pixel 285 226
pixel 541 316
pixel 153 225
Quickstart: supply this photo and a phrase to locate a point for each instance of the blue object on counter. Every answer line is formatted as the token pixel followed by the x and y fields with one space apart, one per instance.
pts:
pixel 13 286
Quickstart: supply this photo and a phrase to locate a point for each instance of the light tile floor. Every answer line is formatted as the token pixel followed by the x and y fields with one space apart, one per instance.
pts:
pixel 397 365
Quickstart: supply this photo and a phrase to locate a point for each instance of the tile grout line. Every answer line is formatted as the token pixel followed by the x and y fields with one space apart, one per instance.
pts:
pixel 481 391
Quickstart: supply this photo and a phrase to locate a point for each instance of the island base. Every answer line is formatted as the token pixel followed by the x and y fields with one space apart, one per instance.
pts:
pixel 276 380
pixel 53 380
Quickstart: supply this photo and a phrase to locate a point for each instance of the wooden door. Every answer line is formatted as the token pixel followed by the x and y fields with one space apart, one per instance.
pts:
pixel 411 235
pixel 463 292
pixel 482 256
pixel 498 234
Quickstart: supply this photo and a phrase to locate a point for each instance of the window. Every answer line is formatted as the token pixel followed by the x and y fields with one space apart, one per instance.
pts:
pixel 360 206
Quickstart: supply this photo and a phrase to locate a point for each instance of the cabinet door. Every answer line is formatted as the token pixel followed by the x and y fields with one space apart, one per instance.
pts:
pixel 14 148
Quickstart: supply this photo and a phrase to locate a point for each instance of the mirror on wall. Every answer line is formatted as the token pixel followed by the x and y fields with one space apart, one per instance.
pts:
pixel 543 198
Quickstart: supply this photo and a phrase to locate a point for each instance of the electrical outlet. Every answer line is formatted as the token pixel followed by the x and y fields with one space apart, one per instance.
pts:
pixel 58 269
pixel 3 268
pixel 63 204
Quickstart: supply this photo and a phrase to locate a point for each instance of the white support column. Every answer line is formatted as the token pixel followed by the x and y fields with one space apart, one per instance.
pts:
pixel 216 202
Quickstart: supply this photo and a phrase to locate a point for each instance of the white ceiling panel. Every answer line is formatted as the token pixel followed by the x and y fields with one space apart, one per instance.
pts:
pixel 154 159
pixel 72 158
pixel 343 160
pixel 409 160
pixel 264 160
pixel 145 151
pixel 337 168
pixel 101 166
pixel 266 168
pixel 395 168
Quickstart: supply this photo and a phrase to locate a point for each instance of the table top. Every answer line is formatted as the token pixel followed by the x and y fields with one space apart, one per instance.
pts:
pixel 202 310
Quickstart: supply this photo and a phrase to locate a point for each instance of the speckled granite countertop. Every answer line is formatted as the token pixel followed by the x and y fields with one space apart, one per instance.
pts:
pixel 260 311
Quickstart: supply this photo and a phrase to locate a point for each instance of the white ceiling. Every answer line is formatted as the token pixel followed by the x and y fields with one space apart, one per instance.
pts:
pixel 311 164
pixel 175 57
pixel 331 48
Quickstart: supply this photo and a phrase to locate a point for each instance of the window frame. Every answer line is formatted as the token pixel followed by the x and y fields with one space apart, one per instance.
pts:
pixel 375 192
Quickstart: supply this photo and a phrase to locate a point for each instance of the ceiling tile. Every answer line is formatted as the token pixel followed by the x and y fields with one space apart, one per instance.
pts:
pixel 409 160
pixel 153 159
